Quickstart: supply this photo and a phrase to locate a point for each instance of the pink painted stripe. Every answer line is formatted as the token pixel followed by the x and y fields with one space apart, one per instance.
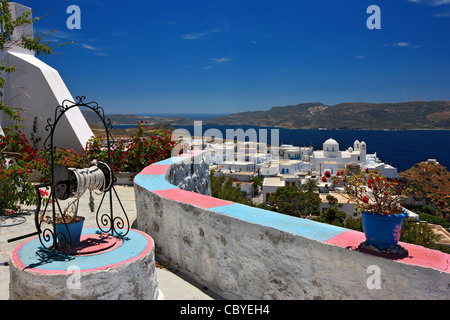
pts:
pixel 192 198
pixel 16 260
pixel 155 169
pixel 417 255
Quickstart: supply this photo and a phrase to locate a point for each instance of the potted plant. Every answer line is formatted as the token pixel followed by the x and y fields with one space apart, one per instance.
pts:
pixel 68 225
pixel 378 200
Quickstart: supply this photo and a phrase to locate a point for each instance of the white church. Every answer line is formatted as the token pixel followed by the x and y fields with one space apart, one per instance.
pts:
pixel 331 159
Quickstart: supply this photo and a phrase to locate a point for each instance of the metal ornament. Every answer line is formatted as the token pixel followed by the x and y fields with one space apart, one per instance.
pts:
pixel 64 183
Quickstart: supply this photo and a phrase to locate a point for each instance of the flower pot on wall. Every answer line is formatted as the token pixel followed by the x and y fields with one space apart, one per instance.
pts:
pixel 73 228
pixel 382 231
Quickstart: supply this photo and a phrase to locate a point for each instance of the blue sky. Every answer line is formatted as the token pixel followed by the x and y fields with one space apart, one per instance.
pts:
pixel 196 56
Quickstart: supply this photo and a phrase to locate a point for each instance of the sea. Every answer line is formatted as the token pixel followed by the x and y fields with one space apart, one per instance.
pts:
pixel 401 149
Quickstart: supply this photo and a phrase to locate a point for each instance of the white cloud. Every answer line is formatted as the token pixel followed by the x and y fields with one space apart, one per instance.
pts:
pixel 195 36
pixel 435 3
pixel 210 30
pixel 89 47
pixel 99 51
pixel 220 60
pixel 402 44
pixel 216 62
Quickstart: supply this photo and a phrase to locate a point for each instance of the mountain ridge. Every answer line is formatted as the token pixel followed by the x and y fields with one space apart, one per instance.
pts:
pixel 347 115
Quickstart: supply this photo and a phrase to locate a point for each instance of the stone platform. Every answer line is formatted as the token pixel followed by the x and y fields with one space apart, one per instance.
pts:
pixel 99 267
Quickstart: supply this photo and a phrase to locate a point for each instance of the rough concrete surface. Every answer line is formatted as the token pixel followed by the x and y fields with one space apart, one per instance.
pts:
pixel 173 285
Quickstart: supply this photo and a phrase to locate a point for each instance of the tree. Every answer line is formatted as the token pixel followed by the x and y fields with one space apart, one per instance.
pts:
pixel 310 185
pixel 257 183
pixel 15 150
pixel 222 188
pixel 332 215
pixel 332 201
pixel 295 202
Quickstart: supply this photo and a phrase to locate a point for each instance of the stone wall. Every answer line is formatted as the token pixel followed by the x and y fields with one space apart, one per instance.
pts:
pixel 191 176
pixel 243 252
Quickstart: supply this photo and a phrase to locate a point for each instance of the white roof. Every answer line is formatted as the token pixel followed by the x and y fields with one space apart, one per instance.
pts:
pixel 330 141
pixel 273 181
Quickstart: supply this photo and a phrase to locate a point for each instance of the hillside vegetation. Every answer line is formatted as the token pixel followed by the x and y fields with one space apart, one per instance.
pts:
pixel 430 182
pixel 369 116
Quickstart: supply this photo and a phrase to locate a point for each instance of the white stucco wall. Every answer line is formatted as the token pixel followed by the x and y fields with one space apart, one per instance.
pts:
pixel 38 89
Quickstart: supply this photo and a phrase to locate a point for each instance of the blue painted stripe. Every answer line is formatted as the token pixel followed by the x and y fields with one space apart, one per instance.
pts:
pixel 129 249
pixel 153 182
pixel 302 227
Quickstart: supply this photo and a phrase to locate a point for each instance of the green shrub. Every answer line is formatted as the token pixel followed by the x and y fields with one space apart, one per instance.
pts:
pixel 420 234
pixel 353 224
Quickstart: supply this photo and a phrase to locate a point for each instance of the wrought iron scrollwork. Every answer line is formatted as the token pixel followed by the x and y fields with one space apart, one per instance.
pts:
pixel 115 225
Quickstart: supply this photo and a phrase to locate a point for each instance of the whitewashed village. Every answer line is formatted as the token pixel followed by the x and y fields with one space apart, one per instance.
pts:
pixel 289 165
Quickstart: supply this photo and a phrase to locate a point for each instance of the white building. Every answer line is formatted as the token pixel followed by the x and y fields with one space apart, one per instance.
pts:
pixel 293 166
pixel 220 152
pixel 247 188
pixel 37 89
pixel 373 163
pixel 332 159
pixel 239 166
pixel 346 206
pixel 270 186
pixel 269 169
pixel 289 151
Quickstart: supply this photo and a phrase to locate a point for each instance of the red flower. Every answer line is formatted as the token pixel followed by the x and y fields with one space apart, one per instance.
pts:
pixel 327 174
pixel 367 170
pixel 365 200
pixel 324 179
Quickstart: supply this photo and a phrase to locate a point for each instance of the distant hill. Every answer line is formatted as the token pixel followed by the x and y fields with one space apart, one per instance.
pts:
pixel 430 182
pixel 131 119
pixel 369 116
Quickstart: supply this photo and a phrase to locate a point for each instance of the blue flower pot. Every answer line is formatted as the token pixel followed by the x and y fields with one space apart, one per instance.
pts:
pixel 382 231
pixel 73 228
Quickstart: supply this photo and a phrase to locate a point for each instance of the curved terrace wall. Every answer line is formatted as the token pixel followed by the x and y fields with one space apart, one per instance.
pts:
pixel 243 252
